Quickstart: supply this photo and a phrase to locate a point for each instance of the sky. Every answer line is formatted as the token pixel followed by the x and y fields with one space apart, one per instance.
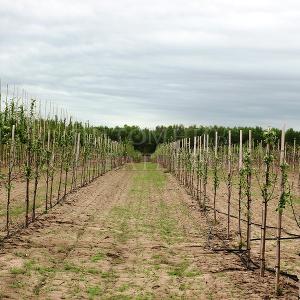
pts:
pixel 157 62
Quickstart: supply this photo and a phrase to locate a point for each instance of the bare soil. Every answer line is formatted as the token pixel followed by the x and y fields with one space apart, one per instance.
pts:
pixel 290 248
pixel 132 234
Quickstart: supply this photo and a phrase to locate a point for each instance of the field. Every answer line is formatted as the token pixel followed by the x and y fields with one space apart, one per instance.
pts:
pixel 252 191
pixel 149 150
pixel 83 216
pixel 133 233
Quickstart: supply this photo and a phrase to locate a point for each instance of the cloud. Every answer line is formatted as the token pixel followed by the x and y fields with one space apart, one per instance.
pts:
pixel 157 62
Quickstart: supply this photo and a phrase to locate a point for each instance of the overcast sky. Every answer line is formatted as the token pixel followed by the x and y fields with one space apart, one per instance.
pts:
pixel 157 62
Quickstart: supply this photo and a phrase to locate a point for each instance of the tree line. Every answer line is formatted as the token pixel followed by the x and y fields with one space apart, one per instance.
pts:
pixel 146 140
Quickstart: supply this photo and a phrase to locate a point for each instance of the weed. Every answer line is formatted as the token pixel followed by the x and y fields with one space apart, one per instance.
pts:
pixel 17 270
pixel 93 271
pixel 97 257
pixel 17 284
pixel 94 291
pixel 123 287
pixel 109 275
pixel 72 267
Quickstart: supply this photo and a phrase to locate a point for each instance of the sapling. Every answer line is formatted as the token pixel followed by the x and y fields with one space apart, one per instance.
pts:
pixel 205 170
pixel 216 180
pixel 267 192
pixel 62 145
pixel 198 176
pixel 75 161
pixel 100 146
pixel 185 161
pixel 199 171
pixel 84 155
pixel 94 159
pixel 9 179
pixel 283 199
pixel 298 157
pixel 37 155
pixel 68 156
pixel 294 156
pixel 47 158
pixel 106 154
pixel 194 167
pixel 181 161
pixel 52 167
pixel 90 157
pixel 229 184
pixel 188 169
pixel 28 167
pixel 240 187
pixel 248 182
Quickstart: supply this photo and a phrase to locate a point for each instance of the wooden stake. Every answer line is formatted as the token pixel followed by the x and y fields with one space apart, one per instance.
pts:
pixel 229 185
pixel 240 186
pixel 279 215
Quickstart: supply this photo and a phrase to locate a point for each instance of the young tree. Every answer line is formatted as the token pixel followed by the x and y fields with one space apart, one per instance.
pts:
pixel 267 191
pixel 284 196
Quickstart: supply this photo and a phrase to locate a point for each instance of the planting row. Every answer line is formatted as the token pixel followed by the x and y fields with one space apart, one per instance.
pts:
pixel 252 189
pixel 42 159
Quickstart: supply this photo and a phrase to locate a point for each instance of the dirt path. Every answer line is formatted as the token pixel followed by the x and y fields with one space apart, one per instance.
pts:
pixel 132 234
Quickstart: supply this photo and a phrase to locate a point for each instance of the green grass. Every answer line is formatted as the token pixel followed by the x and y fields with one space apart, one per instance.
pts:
pixel 119 297
pixel 120 217
pixel 124 287
pixel 296 200
pixel 167 225
pixel 31 265
pixel 45 270
pixel 72 268
pixel 183 270
pixel 21 254
pixel 64 249
pixel 135 211
pixel 94 291
pixel 18 208
pixel 146 296
pixel 17 284
pixel 93 271
pixel 109 275
pixel 179 270
pixel 97 257
pixel 136 216
pixel 193 273
pixel 149 176
pixel 150 180
pixel 17 270
pixel 142 296
pixel 15 210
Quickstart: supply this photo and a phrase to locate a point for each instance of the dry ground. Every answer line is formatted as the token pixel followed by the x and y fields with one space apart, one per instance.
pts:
pixel 290 248
pixel 131 234
pixel 18 192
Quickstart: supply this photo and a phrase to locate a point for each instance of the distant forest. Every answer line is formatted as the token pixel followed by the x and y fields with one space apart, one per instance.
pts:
pixel 145 140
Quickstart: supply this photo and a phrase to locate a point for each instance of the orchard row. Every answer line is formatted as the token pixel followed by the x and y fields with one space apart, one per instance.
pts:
pixel 258 183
